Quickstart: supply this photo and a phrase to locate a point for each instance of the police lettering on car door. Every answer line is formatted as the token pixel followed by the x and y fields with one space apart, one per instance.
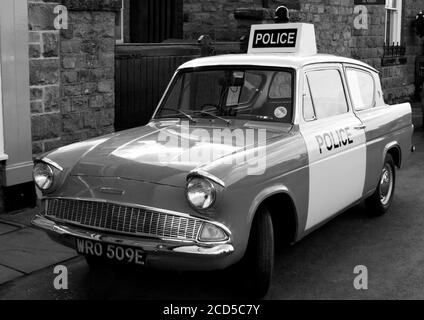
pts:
pixel 335 139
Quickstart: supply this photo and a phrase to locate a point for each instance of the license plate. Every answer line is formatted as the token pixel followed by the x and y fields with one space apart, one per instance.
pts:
pixel 110 251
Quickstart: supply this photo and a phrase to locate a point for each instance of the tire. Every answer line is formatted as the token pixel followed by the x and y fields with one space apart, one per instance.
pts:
pixel 258 261
pixel 381 200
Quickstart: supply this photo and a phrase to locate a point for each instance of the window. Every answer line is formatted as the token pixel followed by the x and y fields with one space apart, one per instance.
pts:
pixel 362 88
pixel 327 92
pixel 233 93
pixel 281 86
pixel 119 24
pixel 245 94
pixel 393 25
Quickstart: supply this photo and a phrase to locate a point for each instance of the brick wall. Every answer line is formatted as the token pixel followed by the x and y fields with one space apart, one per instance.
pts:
pixel 71 72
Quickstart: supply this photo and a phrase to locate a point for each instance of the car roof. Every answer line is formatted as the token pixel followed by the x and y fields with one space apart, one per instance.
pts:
pixel 271 60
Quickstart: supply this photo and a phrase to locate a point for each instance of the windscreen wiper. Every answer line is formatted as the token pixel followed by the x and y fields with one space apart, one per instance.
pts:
pixel 228 122
pixel 180 112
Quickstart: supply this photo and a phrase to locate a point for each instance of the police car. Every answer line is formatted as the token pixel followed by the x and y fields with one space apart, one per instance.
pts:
pixel 243 153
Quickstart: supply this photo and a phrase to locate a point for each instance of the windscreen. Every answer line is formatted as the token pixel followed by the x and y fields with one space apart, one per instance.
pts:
pixel 233 93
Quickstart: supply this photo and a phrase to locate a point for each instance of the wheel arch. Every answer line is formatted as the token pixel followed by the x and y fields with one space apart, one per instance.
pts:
pixel 393 148
pixel 282 208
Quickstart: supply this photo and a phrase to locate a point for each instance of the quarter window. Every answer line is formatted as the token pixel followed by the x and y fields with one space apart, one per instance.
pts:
pixel 327 92
pixel 362 87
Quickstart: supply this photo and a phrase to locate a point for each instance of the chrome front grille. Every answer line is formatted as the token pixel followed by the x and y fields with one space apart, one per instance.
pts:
pixel 123 219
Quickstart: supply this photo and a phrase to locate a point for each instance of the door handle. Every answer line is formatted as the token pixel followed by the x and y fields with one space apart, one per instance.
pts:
pixel 360 127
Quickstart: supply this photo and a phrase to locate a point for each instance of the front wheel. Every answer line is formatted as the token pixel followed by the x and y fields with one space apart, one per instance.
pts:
pixel 259 259
pixel 94 263
pixel 380 201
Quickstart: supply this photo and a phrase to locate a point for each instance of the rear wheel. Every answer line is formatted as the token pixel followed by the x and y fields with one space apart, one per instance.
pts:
pixel 258 262
pixel 380 201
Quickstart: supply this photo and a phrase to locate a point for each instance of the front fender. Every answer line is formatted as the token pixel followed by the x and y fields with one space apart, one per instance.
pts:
pixel 265 194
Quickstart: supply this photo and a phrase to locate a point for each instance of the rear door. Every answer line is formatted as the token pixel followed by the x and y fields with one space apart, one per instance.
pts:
pixel 368 103
pixel 335 140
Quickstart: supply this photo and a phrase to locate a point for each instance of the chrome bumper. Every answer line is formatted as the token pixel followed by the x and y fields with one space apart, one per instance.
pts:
pixel 159 254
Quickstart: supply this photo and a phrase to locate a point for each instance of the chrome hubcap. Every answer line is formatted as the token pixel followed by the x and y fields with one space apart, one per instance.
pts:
pixel 386 184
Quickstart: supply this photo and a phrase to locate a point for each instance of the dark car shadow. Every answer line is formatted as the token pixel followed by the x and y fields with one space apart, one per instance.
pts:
pixel 128 282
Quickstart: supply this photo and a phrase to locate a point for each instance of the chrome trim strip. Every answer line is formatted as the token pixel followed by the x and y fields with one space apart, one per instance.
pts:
pixel 134 234
pixel 111 191
pixel 391 145
pixel 145 244
pixel 52 163
pixel 133 205
pixel 205 174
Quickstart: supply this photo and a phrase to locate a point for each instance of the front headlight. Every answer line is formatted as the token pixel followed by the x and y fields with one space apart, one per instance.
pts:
pixel 43 175
pixel 201 193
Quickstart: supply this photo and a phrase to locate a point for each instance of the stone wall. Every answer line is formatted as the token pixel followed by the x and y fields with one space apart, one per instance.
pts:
pixel 71 72
pixel 214 18
pixel 44 64
pixel 333 19
pixel 397 81
pixel 87 75
pixel 334 23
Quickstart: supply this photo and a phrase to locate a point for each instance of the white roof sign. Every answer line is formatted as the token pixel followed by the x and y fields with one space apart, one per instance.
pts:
pixel 294 38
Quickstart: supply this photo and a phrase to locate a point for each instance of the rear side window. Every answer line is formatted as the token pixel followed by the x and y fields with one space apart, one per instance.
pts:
pixel 362 88
pixel 327 91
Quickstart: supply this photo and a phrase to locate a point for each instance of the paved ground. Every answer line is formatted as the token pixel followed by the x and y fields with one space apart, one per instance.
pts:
pixel 319 267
